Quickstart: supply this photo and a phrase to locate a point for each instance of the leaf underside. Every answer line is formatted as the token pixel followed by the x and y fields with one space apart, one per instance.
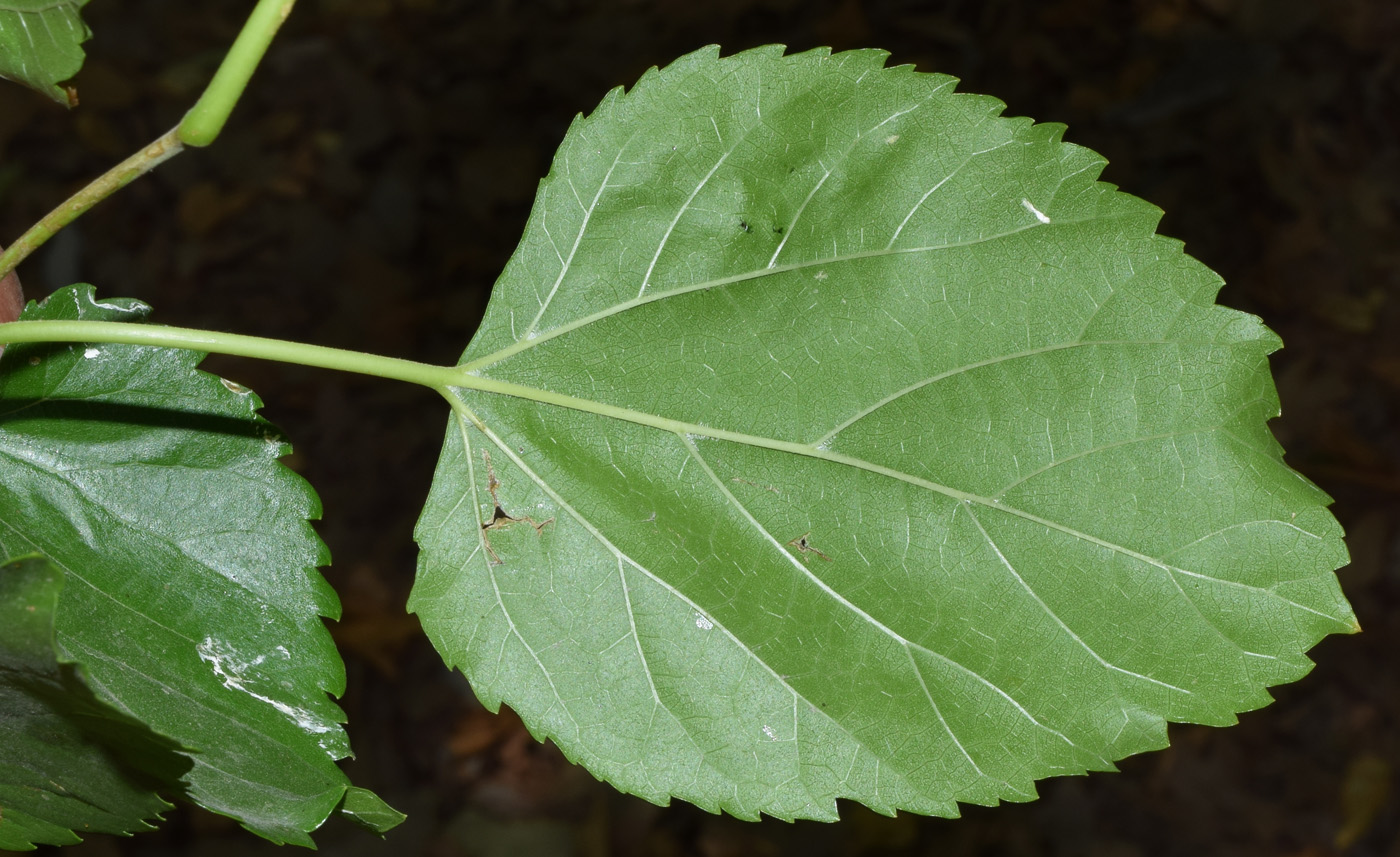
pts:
pixel 60 749
pixel 191 596
pixel 889 456
pixel 41 43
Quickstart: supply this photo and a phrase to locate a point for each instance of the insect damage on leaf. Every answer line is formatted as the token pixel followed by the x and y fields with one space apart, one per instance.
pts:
pixel 500 518
pixel 805 547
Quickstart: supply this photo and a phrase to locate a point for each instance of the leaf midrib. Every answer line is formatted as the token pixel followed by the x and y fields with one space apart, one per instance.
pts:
pixel 692 430
pixel 687 433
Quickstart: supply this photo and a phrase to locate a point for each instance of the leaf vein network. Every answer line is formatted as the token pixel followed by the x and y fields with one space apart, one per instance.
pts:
pixel 495 584
pixel 146 533
pixel 1103 662
pixel 676 593
pixel 524 344
pixel 583 227
pixel 845 154
pixel 847 603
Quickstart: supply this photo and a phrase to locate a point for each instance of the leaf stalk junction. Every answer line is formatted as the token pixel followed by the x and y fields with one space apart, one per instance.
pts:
pixel 443 379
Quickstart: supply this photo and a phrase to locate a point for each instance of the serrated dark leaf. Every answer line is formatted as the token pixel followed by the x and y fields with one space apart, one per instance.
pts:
pixel 41 44
pixel 192 594
pixel 65 757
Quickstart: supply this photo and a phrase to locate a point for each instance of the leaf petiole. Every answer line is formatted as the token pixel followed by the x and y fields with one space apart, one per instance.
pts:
pixel 238 345
pixel 440 378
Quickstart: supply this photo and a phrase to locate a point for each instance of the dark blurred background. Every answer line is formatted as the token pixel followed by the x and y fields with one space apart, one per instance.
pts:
pixel 379 172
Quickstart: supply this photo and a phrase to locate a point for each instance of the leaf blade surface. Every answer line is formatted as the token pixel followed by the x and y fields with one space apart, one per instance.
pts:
pixel 41 43
pixel 191 593
pixel 61 765
pixel 883 453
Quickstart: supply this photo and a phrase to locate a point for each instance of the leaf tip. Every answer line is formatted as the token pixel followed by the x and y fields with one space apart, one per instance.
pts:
pixel 368 810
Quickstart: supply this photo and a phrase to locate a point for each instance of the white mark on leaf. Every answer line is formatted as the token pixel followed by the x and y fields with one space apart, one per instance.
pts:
pixel 233 671
pixel 768 730
pixel 91 353
pixel 891 139
pixel 1039 215
pixel 702 623
pixel 820 275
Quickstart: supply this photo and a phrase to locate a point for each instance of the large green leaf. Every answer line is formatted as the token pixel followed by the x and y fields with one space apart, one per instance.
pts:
pixel 41 43
pixel 61 750
pixel 191 596
pixel 884 454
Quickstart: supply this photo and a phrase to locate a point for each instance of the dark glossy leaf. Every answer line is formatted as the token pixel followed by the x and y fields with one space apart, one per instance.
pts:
pixel 64 755
pixel 41 43
pixel 192 594
pixel 884 454
pixel 368 810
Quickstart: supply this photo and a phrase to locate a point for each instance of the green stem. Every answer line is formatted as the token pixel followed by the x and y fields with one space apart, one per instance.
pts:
pixel 199 128
pixel 440 378
pixel 443 379
pixel 204 122
pixel 162 149
pixel 213 342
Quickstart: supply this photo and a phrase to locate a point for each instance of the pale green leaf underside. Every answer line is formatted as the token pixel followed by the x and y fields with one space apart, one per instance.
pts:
pixel 41 43
pixel 885 455
pixel 191 594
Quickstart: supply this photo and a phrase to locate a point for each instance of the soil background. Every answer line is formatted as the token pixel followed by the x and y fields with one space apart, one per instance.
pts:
pixel 379 172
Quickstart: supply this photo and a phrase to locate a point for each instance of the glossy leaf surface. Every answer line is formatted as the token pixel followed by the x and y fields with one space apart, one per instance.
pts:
pixel 41 43
pixel 191 593
pixel 368 810
pixel 884 454
pixel 61 765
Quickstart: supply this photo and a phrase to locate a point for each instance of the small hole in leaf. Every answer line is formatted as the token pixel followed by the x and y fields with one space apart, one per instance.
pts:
pixel 498 520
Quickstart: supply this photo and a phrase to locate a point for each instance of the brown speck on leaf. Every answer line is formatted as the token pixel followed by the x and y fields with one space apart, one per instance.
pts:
pixel 756 485
pixel 804 546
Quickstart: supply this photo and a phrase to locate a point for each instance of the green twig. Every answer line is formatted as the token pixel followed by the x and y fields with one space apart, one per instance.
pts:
pixel 204 122
pixel 165 147
pixel 199 128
